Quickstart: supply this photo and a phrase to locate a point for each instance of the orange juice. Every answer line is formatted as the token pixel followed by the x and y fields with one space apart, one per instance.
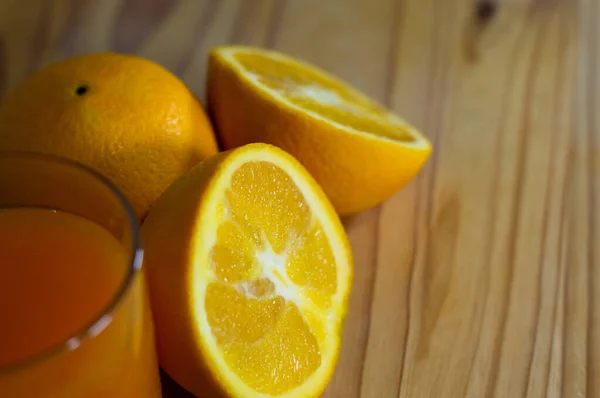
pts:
pixel 59 336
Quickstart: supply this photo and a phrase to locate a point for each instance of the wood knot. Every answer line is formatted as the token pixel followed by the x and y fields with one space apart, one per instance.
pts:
pixel 485 10
pixel 483 14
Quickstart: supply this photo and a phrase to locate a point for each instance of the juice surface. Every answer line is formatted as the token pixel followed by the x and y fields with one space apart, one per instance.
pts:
pixel 58 274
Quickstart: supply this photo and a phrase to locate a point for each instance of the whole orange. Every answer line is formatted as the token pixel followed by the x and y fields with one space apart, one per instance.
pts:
pixel 127 117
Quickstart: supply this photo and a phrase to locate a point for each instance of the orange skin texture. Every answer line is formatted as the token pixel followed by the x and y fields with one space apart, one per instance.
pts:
pixel 136 123
pixel 166 236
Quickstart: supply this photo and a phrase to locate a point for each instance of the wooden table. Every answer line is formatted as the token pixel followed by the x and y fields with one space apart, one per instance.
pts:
pixel 479 279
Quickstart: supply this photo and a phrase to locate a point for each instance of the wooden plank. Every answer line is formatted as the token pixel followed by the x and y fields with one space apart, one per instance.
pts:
pixel 480 278
pixel 586 180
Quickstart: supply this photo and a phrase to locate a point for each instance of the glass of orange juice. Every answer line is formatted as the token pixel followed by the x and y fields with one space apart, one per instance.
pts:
pixel 74 316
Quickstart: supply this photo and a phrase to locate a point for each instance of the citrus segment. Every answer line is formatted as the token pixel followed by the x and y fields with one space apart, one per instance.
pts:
pixel 233 256
pixel 236 318
pixel 356 149
pixel 251 191
pixel 265 338
pixel 311 262
pixel 266 275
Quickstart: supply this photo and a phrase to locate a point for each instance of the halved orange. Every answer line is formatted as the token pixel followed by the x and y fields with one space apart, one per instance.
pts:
pixel 249 271
pixel 358 151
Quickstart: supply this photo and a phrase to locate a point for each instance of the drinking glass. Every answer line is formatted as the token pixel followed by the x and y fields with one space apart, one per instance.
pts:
pixel 74 315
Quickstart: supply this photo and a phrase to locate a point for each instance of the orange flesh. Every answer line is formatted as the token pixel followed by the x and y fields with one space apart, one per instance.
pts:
pixel 322 96
pixel 275 275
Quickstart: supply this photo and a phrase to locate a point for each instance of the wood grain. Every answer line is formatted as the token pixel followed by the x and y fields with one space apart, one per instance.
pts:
pixel 482 277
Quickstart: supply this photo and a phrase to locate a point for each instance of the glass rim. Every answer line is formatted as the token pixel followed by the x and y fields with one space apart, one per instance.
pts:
pixel 100 322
